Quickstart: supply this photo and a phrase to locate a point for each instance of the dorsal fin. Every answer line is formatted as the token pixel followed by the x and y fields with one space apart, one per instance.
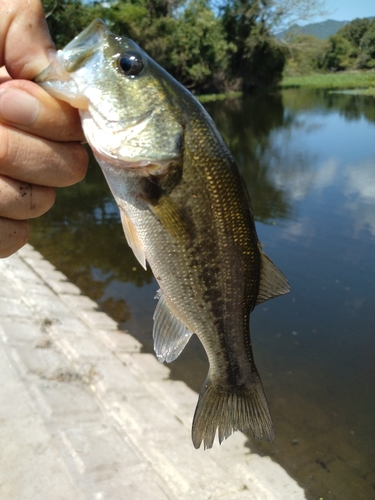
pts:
pixel 272 281
pixel 170 335
pixel 133 239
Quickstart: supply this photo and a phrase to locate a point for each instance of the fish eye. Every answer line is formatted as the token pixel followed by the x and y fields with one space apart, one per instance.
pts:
pixel 131 63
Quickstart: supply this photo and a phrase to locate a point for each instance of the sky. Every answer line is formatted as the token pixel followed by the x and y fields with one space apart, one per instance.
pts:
pixel 346 10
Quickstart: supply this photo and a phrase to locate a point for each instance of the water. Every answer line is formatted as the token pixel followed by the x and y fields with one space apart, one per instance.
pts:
pixel 308 158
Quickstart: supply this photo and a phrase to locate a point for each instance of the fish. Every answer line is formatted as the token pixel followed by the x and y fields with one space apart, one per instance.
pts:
pixel 185 211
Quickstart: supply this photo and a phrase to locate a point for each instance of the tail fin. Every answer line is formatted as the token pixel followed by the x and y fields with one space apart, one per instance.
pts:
pixel 229 409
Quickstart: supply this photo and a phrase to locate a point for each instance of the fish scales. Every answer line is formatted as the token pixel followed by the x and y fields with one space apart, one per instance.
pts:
pixel 184 210
pixel 219 236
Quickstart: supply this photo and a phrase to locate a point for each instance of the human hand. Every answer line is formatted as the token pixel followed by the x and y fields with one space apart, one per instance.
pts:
pixel 39 136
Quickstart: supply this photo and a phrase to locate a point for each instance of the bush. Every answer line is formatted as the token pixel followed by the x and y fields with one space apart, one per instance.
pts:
pixel 197 49
pixel 258 59
pixel 352 47
pixel 366 59
pixel 355 30
pixel 206 50
pixel 305 55
pixel 340 55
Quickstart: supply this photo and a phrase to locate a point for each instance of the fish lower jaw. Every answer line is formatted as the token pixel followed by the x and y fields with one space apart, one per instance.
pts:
pixel 141 166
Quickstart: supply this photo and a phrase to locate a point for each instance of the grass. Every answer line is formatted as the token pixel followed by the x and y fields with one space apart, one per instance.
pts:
pixel 355 82
pixel 361 81
pixel 218 97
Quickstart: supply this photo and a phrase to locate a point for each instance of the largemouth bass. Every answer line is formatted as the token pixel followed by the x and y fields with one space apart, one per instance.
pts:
pixel 185 211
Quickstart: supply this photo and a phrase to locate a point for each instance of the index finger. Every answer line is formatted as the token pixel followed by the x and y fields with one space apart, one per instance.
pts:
pixel 25 41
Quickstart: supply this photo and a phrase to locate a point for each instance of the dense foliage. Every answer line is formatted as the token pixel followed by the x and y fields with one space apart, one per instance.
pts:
pixel 222 45
pixel 305 54
pixel 206 49
pixel 357 46
pixel 351 48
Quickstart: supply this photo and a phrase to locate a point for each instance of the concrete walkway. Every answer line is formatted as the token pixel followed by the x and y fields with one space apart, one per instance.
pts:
pixel 85 415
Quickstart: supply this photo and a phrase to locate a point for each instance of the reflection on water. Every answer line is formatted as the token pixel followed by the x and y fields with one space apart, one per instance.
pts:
pixel 308 159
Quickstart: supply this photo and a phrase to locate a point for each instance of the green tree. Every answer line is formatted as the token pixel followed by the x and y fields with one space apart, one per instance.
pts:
pixel 340 55
pixel 205 49
pixel 353 46
pixel 188 42
pixel 366 58
pixel 127 18
pixel 305 55
pixel 355 30
pixel 67 18
pixel 198 50
pixel 258 59
pixel 280 14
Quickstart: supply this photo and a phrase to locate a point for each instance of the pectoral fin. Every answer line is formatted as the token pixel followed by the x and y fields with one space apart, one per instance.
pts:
pixel 272 281
pixel 172 216
pixel 170 335
pixel 133 239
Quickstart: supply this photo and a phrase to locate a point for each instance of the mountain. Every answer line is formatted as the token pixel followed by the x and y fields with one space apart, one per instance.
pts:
pixel 320 30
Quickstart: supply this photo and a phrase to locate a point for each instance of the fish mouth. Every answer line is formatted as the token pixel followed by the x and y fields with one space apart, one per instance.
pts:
pixel 57 79
pixel 78 51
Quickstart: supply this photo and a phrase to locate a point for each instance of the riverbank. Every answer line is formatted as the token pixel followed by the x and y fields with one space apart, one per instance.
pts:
pixel 86 415
pixel 358 82
pixel 363 81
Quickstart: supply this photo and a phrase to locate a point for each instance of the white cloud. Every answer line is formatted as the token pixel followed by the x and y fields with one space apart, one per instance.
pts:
pixel 360 192
pixel 326 173
pixel 361 180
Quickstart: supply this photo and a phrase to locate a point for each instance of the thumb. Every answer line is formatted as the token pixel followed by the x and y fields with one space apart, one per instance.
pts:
pixel 25 42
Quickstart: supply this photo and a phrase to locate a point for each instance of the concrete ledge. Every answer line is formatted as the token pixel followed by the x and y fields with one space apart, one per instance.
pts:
pixel 85 415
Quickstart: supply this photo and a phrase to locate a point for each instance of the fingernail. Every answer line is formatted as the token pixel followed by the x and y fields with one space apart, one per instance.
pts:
pixel 19 107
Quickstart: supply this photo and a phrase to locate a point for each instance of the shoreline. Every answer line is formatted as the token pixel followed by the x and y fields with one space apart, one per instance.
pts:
pixel 93 415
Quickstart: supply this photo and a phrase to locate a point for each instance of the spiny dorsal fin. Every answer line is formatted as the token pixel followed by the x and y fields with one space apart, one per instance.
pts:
pixel 272 281
pixel 170 335
pixel 133 239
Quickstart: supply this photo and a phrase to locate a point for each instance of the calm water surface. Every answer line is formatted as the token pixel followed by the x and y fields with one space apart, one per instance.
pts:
pixel 308 158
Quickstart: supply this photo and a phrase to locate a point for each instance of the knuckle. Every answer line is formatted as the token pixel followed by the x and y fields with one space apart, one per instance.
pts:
pixel 37 200
pixel 12 149
pixel 4 144
pixel 21 200
pixel 79 163
pixel 44 199
pixel 71 128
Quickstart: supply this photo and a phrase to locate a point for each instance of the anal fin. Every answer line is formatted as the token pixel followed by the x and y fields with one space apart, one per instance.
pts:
pixel 170 335
pixel 133 239
pixel 272 282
